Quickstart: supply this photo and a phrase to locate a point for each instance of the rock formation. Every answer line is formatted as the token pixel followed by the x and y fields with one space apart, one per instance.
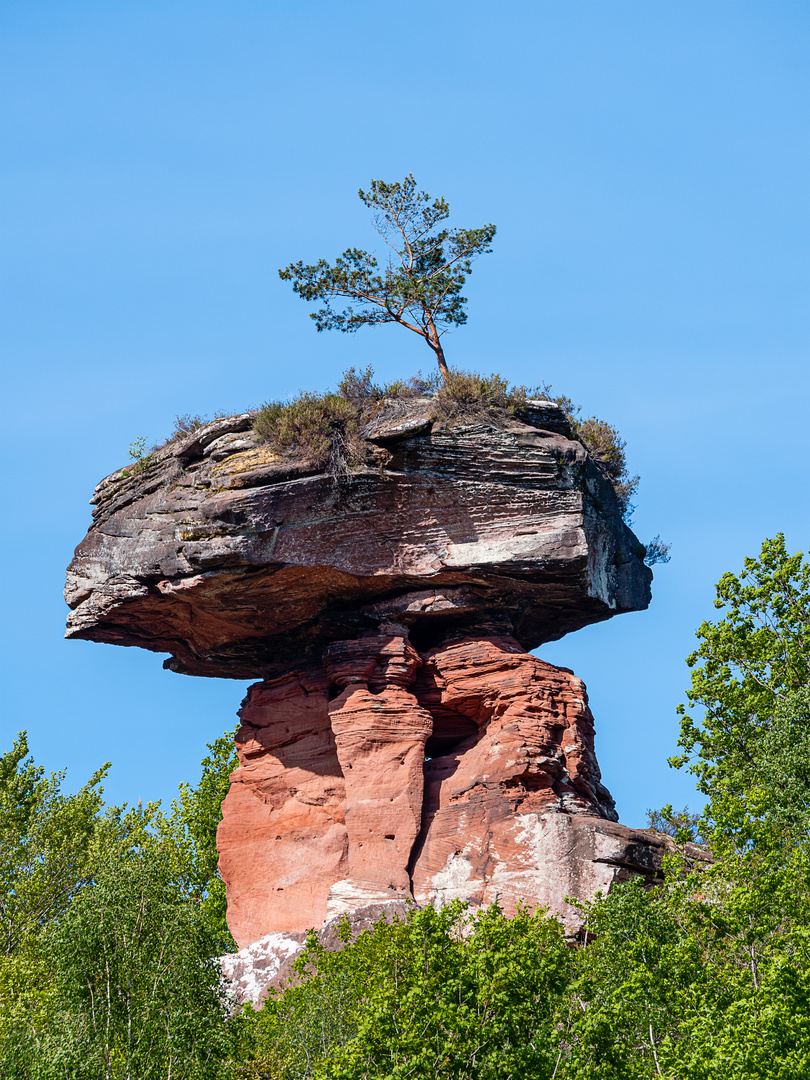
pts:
pixel 242 563
pixel 401 743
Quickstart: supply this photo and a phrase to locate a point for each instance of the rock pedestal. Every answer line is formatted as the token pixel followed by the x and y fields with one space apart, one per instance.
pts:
pixel 467 772
pixel 401 744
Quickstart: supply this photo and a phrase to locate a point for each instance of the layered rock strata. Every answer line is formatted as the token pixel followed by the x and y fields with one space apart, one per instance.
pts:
pixel 401 745
pixel 240 562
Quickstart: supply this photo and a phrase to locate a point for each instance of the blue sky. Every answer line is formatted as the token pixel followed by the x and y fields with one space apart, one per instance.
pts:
pixel 647 167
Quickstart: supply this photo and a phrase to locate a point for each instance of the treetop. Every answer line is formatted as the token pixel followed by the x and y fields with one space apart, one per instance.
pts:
pixel 420 285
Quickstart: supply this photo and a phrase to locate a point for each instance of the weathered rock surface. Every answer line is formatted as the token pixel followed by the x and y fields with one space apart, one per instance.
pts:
pixel 240 562
pixel 467 772
pixel 401 746
pixel 283 840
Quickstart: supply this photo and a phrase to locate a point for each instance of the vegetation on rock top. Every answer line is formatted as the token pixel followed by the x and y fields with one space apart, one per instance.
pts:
pixel 326 428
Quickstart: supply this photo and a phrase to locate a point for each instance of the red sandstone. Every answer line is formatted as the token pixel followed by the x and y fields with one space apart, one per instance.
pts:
pixel 335 807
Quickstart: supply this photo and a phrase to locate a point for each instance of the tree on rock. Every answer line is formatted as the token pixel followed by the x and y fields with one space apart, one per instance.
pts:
pixel 420 285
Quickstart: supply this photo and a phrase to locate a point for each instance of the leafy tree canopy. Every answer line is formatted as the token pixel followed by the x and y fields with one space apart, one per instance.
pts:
pixel 190 830
pixel 437 994
pixel 419 286
pixel 112 918
pixel 749 679
pixel 45 841
pixel 136 984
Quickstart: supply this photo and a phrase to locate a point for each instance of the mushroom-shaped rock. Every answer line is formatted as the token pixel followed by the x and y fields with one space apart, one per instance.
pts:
pixel 240 562
pixel 401 745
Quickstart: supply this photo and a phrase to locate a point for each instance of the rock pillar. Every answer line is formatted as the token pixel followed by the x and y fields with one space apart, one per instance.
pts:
pixel 385 774
pixel 380 733
pixel 282 839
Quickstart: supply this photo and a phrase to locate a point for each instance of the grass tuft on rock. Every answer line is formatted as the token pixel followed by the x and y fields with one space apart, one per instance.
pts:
pixel 326 428
pixel 468 395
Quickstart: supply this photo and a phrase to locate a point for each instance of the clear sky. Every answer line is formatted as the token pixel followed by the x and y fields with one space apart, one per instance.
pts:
pixel 647 167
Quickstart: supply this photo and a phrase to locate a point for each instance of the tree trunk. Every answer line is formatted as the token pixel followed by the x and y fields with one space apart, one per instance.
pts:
pixel 443 368
pixel 435 344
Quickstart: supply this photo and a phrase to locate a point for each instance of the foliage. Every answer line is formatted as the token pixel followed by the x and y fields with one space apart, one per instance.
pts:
pixel 28 1008
pixel 112 918
pixel 707 977
pixel 45 843
pixel 191 830
pixel 115 918
pixel 704 978
pixel 437 994
pixel 186 424
pixel 607 448
pixel 135 977
pixel 324 428
pixel 779 798
pixel 319 1010
pixel 467 395
pixel 681 825
pixel 419 286
pixel 656 551
pixel 746 671
pixel 360 388
pixel 140 455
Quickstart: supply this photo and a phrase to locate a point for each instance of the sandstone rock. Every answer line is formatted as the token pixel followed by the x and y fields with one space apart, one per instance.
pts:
pixel 334 806
pixel 533 735
pixel 282 839
pixel 402 745
pixel 242 563
pixel 380 734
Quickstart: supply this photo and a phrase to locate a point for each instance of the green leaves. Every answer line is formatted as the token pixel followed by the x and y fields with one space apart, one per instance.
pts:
pixel 419 286
pixel 135 977
pixel 190 833
pixel 437 994
pixel 111 921
pixel 45 842
pixel 706 978
pixel 747 671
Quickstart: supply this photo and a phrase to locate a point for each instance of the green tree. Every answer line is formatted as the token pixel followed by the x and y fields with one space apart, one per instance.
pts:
pixel 746 674
pixel 135 978
pixel 45 842
pixel 709 975
pixel 705 978
pixel 437 994
pixel 419 286
pixel 190 830
pixel 112 920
